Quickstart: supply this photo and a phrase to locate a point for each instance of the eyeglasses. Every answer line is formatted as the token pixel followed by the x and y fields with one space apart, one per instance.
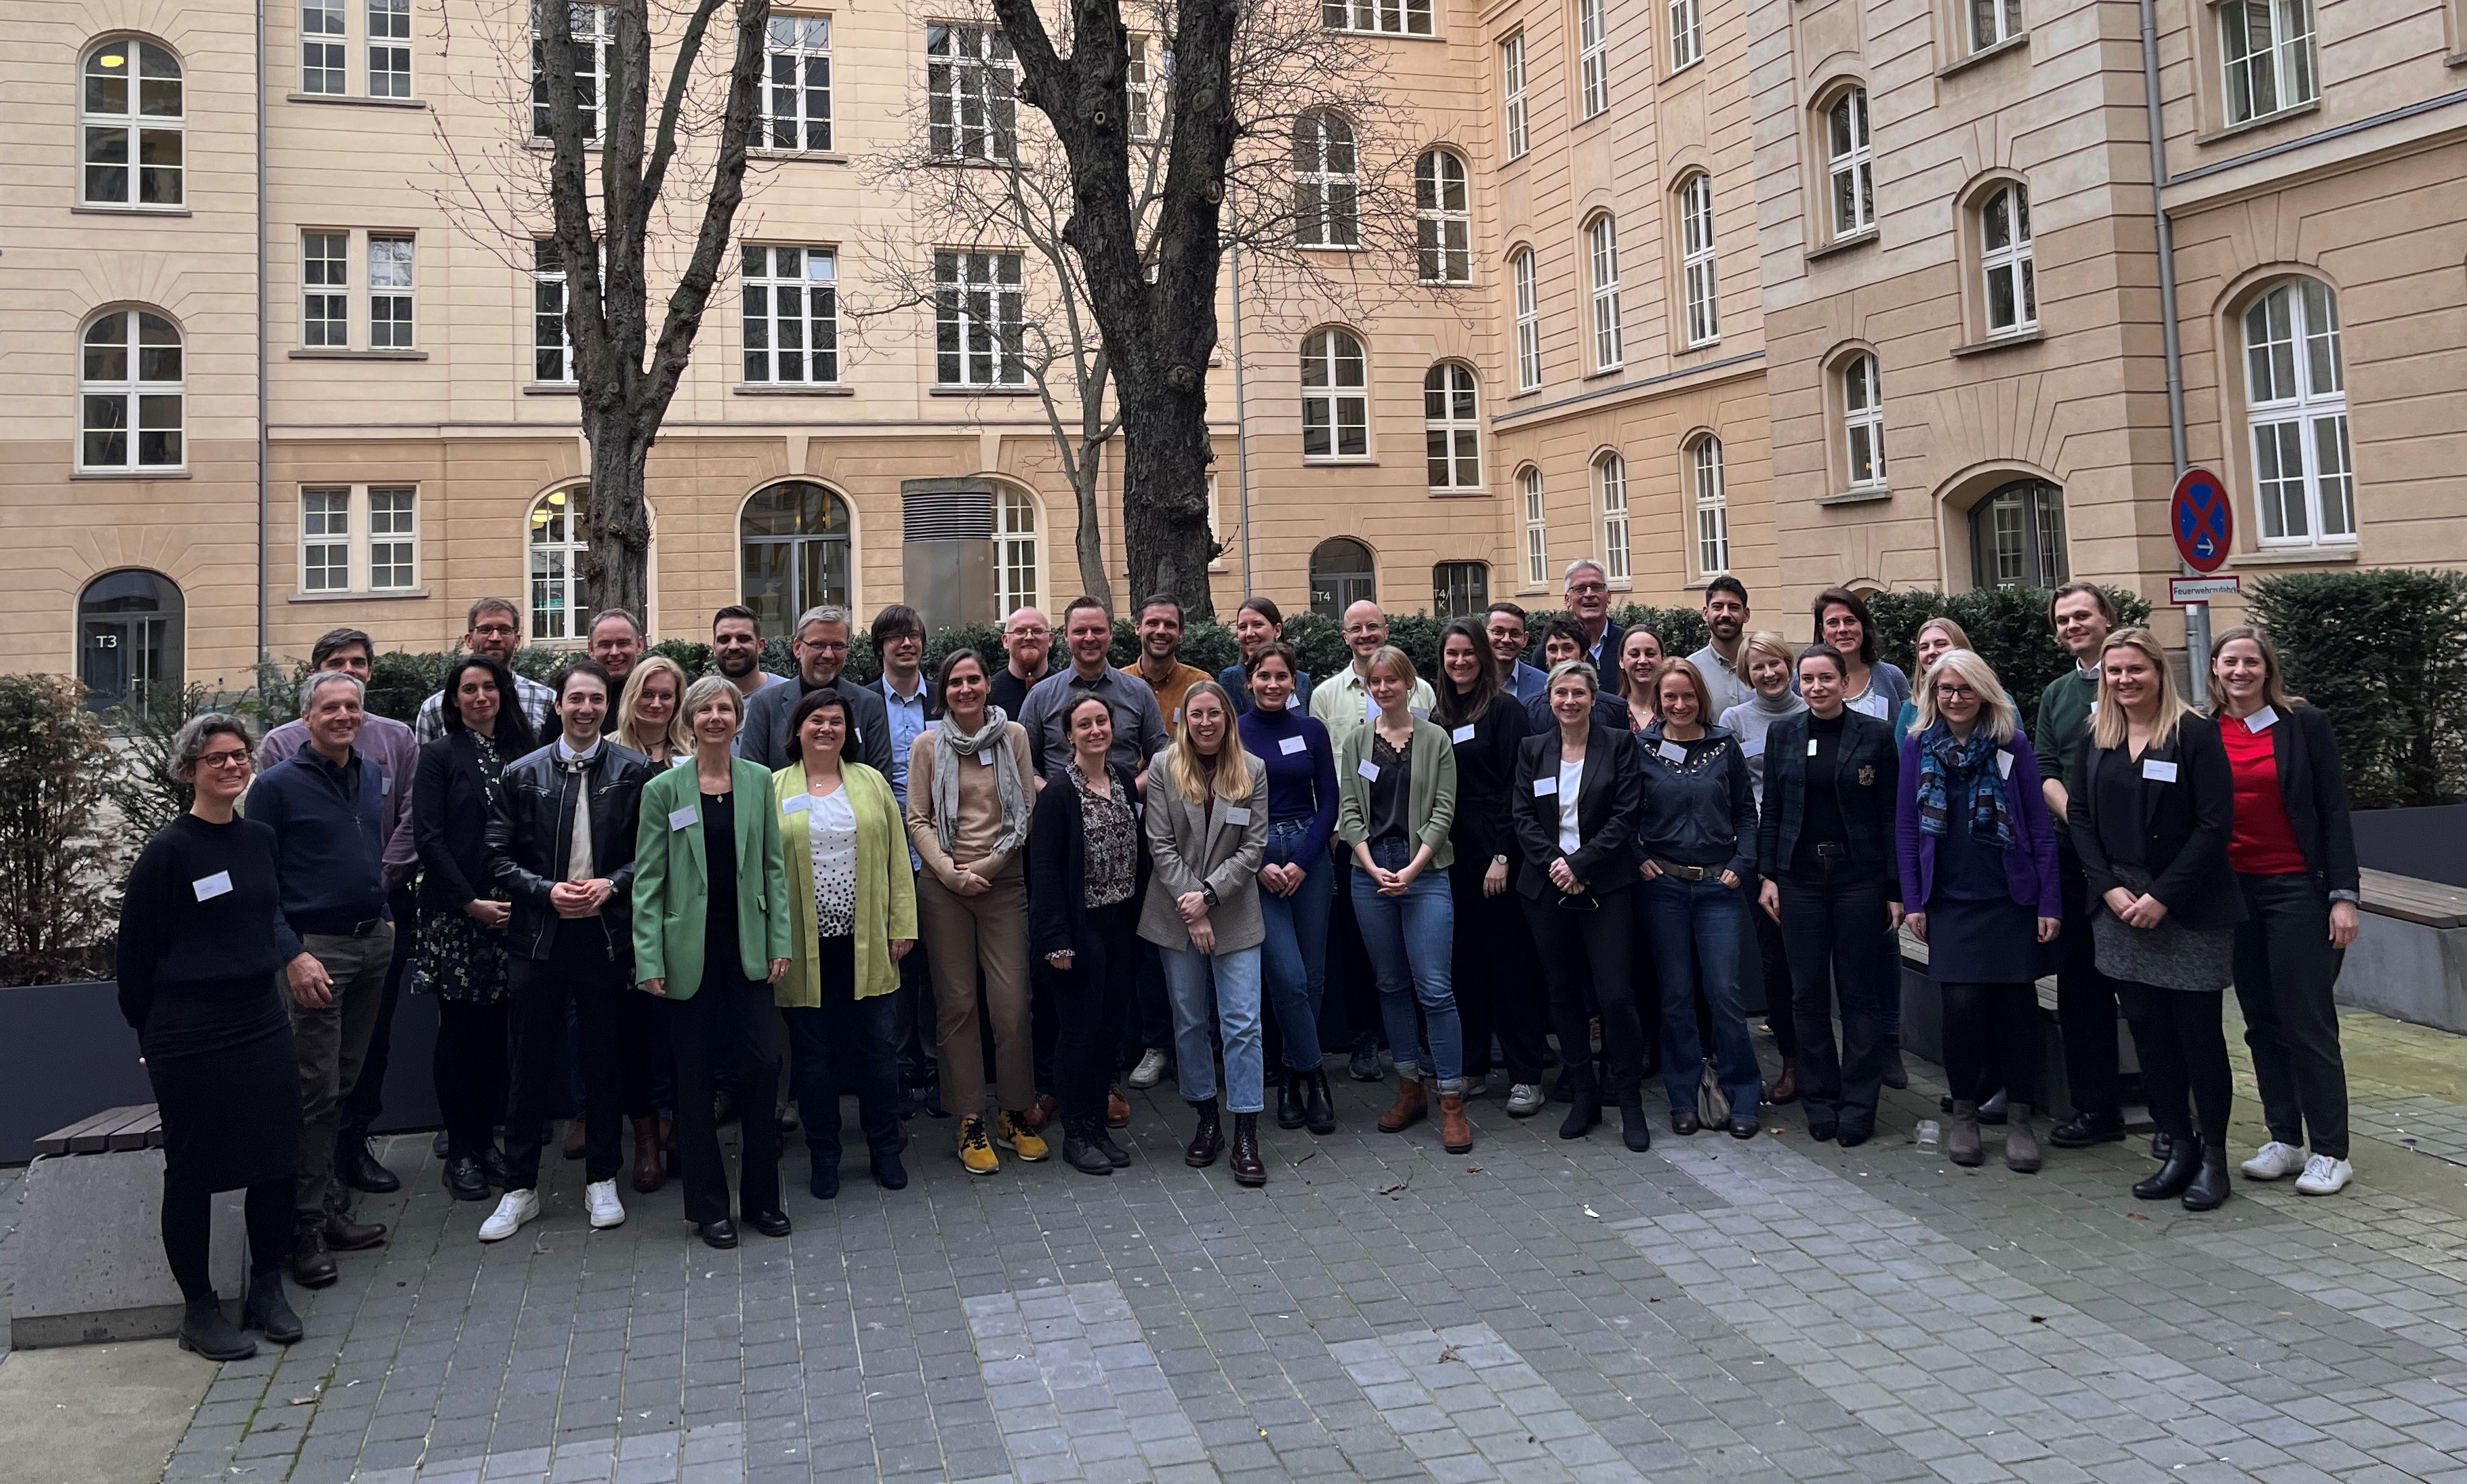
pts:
pixel 1589 587
pixel 495 630
pixel 1024 632
pixel 1956 693
pixel 235 758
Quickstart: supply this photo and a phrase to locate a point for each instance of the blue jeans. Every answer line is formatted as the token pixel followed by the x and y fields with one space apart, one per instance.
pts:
pixel 1238 1011
pixel 1410 940
pixel 1696 932
pixel 1294 960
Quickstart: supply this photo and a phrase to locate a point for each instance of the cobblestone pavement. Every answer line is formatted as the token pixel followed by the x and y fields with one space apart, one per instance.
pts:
pixel 1537 1310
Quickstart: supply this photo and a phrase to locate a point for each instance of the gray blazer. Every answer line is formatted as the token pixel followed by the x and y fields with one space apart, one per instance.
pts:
pixel 1205 842
pixel 764 736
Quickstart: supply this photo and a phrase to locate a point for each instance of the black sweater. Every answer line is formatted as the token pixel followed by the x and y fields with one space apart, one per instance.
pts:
pixel 198 973
pixel 1485 822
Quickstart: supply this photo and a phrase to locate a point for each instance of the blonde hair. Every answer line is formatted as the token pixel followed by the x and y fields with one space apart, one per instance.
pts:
pixel 1953 630
pixel 2108 729
pixel 1397 661
pixel 1996 714
pixel 1686 670
pixel 679 738
pixel 1233 776
pixel 710 688
pixel 1765 641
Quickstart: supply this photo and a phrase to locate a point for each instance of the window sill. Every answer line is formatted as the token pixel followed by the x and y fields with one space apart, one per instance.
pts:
pixel 787 388
pixel 2299 555
pixel 799 156
pixel 129 210
pixel 1984 54
pixel 1383 36
pixel 2250 126
pixel 132 474
pixel 328 354
pixel 1865 238
pixel 356 100
pixel 1327 247
pixel 981 391
pixel 357 597
pixel 1443 282
pixel 1339 461
pixel 1678 72
pixel 1692 346
pixel 2005 342
pixel 1857 496
pixel 551 389
pixel 1458 494
pixel 1607 370
pixel 2454 60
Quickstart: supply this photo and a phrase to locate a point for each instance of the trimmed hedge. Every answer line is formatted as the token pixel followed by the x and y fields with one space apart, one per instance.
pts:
pixel 2384 654
pixel 2008 626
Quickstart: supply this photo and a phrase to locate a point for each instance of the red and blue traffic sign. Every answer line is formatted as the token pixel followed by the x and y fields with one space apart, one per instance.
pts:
pixel 2198 518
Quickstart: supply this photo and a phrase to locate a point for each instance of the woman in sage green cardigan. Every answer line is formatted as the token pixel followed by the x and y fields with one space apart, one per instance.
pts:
pixel 711 938
pixel 852 917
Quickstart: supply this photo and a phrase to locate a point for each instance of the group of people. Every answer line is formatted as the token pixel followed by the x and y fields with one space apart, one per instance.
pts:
pixel 663 900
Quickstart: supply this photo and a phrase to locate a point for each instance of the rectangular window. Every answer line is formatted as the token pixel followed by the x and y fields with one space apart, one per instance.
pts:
pixel 1512 76
pixel 979 315
pixel 1602 251
pixel 345 529
pixel 1993 22
pixel 320 47
pixel 970 93
pixel 2295 397
pixel 1686 34
pixel 1851 166
pixel 1537 555
pixel 594 27
pixel 792 315
pixel 797 97
pixel 2266 47
pixel 1701 280
pixel 1593 57
pixel 389 48
pixel 1391 17
pixel 1139 95
pixel 2004 255
pixel 390 316
pixel 393 541
pixel 1528 326
pixel 1460 589
pixel 324 540
pixel 325 290
pixel 552 349
pixel 1613 474
pixel 1863 422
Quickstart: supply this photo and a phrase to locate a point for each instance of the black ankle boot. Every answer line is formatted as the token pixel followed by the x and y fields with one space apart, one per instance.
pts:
pixel 1289 1101
pixel 1319 1110
pixel 1584 1104
pixel 268 1309
pixel 204 1330
pixel 1635 1131
pixel 1206 1140
pixel 2183 1162
pixel 2208 1191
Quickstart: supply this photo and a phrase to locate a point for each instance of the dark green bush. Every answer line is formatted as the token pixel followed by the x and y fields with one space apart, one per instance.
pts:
pixel 2006 625
pixel 2384 654
pixel 55 770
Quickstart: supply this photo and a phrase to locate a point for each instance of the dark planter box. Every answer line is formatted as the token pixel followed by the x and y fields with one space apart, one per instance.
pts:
pixel 2429 843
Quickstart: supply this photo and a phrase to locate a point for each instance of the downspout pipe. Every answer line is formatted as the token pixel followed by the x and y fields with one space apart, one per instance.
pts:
pixel 2197 616
pixel 1241 423
pixel 264 651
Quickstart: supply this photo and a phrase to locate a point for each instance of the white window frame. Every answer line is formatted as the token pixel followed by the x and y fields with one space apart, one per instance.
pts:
pixel 326 538
pixel 134 128
pixel 2006 263
pixel 796 45
pixel 2296 408
pixel 1511 89
pixel 1452 429
pixel 816 333
pixel 1016 572
pixel 325 55
pixel 1537 530
pixel 1593 58
pixel 1687 34
pixel 1713 507
pixel 555 536
pixel 1442 217
pixel 1610 501
pixel 549 302
pixel 326 289
pixel 361 539
pixel 1863 421
pixel 1601 267
pixel 1993 22
pixel 1528 321
pixel 140 397
pixel 980 318
pixel 393 259
pixel 1378 17
pixel 972 94
pixel 1700 278
pixel 1336 408
pixel 1139 93
pixel 2270 70
pixel 1850 169
pixel 388 49
pixel 1327 182
pixel 595 32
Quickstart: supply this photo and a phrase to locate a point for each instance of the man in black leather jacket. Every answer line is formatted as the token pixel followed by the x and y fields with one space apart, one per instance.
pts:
pixel 570 882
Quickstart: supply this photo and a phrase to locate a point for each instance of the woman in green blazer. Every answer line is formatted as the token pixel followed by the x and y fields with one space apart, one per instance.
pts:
pixel 711 942
pixel 851 917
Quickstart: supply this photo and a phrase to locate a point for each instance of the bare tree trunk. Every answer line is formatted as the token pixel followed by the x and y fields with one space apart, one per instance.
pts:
pixel 616 563
pixel 1164 502
pixel 1087 484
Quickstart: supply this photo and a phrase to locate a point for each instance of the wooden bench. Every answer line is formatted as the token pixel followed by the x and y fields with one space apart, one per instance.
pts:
pixel 90 1266
pixel 2409 957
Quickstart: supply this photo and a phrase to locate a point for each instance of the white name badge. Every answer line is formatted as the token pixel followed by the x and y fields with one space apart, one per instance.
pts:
pixel 1545 786
pixel 985 757
pixel 1463 733
pixel 1753 747
pixel 2158 770
pixel 1176 718
pixel 1293 701
pixel 681 762
pixel 2262 720
pixel 685 817
pixel 1811 747
pixel 2094 709
pixel 1418 712
pixel 1292 745
pixel 209 888
pixel 385 786
pixel 1369 769
pixel 798 803
pixel 1672 753
pixel 1237 816
pixel 2004 764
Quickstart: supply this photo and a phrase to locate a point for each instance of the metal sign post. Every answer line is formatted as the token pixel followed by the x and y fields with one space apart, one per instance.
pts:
pixel 2199 518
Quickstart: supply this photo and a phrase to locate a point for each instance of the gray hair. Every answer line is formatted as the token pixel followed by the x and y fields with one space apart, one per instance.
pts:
pixel 1582 564
pixel 320 680
pixel 824 612
pixel 188 742
pixel 709 688
pixel 606 614
pixel 1577 669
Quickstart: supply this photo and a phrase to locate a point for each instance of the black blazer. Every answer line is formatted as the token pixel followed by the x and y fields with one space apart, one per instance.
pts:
pixel 449 823
pixel 1485 821
pixel 533 820
pixel 1867 772
pixel 1058 860
pixel 2313 785
pixel 1608 800
pixel 2176 831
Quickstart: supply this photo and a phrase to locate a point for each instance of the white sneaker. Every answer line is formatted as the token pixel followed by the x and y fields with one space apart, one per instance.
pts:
pixel 517 1208
pixel 2273 1161
pixel 2324 1175
pixel 599 1198
pixel 1151 1070
pixel 1523 1100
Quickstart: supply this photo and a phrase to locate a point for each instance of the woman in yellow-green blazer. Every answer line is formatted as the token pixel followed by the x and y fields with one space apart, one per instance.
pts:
pixel 852 917
pixel 711 938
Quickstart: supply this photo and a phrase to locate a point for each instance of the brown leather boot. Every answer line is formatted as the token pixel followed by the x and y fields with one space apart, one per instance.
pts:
pixel 1249 1169
pixel 1456 1134
pixel 2020 1139
pixel 650 1171
pixel 1785 1088
pixel 1411 1106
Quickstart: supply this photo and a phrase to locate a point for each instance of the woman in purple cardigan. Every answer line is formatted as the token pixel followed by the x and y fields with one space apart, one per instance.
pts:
pixel 1978 870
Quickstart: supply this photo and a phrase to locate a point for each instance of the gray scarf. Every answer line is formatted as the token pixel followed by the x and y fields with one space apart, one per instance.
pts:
pixel 950 745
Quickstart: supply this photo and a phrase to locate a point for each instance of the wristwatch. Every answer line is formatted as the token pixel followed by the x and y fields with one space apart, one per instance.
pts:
pixel 1499 860
pixel 1207 894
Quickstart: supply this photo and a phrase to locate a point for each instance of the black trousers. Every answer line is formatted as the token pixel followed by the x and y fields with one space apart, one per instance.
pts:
pixel 844 1044
pixel 1587 955
pixel 912 1029
pixel 1991 1033
pixel 470 1067
pixel 1092 1005
pixel 1772 961
pixel 1349 1015
pixel 727 1030
pixel 650 1062
pixel 187 1233
pixel 1831 916
pixel 2180 1035
pixel 2086 1000
pixel 580 972
pixel 1493 971
pixel 367 1097
pixel 2285 970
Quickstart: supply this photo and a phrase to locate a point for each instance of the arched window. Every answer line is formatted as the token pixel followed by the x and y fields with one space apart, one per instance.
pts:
pixel 2295 402
pixel 133 151
pixel 1602 254
pixel 1336 397
pixel 1442 220
pixel 1702 283
pixel 2004 258
pixel 794 538
pixel 1014 551
pixel 1327 184
pixel 1713 507
pixel 560 535
pixel 129 636
pixel 1848 162
pixel 1452 435
pixel 1340 576
pixel 1863 421
pixel 1610 488
pixel 1537 540
pixel 1529 323
pixel 129 397
pixel 2017 537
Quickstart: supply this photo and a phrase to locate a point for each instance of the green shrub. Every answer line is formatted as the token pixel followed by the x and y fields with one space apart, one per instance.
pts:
pixel 146 787
pixel 2008 626
pixel 2384 654
pixel 55 772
